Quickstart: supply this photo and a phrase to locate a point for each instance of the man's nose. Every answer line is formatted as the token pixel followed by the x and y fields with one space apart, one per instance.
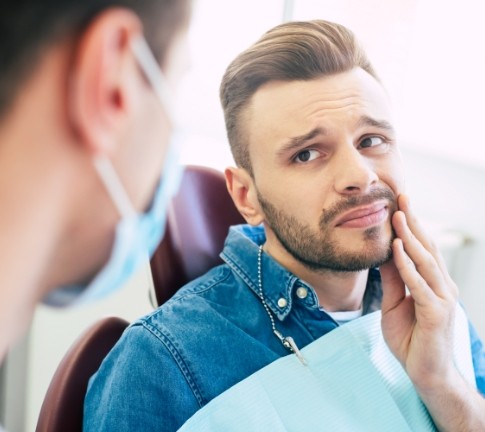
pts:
pixel 355 173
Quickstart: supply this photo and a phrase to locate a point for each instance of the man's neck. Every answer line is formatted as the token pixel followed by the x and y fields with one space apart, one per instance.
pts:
pixel 34 194
pixel 338 291
pixel 28 227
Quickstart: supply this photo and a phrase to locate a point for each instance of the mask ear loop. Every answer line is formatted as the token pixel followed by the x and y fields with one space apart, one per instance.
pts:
pixel 151 69
pixel 157 80
pixel 113 185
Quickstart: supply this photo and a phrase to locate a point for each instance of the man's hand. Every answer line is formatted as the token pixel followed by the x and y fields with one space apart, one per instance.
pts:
pixel 418 324
pixel 418 327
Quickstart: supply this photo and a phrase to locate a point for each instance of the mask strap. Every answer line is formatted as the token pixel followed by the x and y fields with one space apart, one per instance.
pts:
pixel 151 69
pixel 158 82
pixel 113 185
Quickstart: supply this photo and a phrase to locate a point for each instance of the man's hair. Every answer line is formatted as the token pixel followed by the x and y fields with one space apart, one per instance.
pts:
pixel 29 27
pixel 288 52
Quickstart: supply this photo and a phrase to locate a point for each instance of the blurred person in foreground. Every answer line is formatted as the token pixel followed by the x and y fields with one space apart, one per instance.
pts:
pixel 86 164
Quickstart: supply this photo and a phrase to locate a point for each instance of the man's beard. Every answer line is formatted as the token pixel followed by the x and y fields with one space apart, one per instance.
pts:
pixel 318 250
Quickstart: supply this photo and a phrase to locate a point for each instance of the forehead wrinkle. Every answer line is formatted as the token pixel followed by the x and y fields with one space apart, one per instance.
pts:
pixel 358 108
pixel 320 104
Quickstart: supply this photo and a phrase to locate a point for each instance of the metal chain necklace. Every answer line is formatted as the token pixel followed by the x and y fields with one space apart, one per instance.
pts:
pixel 287 341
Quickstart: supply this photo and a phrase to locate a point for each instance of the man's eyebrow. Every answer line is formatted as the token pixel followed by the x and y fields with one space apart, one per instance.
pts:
pixel 381 124
pixel 297 142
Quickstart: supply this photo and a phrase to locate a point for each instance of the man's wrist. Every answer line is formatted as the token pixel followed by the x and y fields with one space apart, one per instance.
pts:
pixel 448 381
pixel 453 404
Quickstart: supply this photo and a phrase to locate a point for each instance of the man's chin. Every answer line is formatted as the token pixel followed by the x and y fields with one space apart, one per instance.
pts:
pixel 363 258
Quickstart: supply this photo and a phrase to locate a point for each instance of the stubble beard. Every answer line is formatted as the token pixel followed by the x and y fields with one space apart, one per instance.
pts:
pixel 318 250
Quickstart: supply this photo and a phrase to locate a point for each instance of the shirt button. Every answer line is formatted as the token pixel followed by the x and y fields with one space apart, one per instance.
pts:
pixel 302 292
pixel 282 302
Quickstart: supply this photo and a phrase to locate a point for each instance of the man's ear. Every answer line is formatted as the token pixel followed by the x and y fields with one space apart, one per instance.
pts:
pixel 242 189
pixel 102 80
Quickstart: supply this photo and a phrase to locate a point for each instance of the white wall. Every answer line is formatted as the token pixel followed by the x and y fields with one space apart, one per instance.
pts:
pixel 450 194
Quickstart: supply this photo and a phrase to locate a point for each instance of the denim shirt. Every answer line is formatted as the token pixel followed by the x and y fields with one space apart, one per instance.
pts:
pixel 212 334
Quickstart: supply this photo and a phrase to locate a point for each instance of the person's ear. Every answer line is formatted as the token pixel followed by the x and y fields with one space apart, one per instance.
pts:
pixel 243 191
pixel 103 80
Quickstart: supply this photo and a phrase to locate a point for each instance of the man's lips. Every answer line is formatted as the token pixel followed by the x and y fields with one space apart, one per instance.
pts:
pixel 363 217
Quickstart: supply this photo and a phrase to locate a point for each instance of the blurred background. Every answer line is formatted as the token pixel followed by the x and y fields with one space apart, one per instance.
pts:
pixel 430 57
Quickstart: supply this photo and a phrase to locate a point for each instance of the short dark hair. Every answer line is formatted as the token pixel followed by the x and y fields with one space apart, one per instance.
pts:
pixel 28 27
pixel 288 52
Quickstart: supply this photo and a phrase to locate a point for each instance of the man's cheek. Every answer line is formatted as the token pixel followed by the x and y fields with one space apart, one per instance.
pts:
pixel 394 177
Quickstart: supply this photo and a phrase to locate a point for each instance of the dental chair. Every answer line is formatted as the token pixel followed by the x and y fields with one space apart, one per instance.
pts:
pixel 198 222
pixel 62 409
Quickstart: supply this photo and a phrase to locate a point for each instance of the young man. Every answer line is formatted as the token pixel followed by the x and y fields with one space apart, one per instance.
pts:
pixel 320 183
pixel 84 133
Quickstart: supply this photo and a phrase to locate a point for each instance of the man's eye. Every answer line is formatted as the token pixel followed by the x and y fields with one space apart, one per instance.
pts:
pixel 371 141
pixel 306 156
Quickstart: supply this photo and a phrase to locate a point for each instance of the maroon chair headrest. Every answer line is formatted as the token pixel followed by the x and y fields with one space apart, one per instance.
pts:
pixel 198 222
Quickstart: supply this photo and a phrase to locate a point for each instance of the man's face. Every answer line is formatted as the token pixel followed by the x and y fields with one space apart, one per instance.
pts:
pixel 326 169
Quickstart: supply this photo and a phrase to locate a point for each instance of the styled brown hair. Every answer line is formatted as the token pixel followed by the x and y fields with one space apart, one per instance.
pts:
pixel 288 52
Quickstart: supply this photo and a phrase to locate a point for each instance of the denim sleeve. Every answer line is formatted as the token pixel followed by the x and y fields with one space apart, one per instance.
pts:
pixel 478 355
pixel 139 386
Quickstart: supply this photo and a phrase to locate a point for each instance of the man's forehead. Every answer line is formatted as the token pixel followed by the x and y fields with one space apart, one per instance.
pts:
pixel 279 106
pixel 332 89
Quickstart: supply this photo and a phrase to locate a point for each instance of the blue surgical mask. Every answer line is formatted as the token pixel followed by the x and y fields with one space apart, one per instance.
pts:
pixel 137 235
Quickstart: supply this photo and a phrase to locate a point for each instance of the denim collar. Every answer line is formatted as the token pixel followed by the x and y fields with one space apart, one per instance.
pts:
pixel 241 254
